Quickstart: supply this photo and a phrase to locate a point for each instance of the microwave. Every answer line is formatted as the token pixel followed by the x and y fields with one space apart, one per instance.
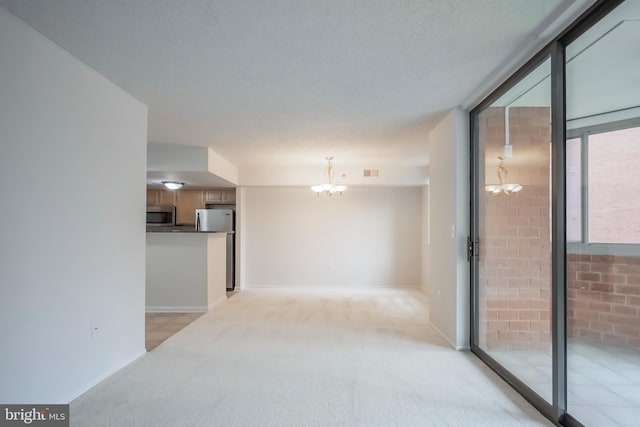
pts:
pixel 161 215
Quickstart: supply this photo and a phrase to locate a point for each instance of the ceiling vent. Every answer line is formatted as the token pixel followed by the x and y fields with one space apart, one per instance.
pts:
pixel 370 172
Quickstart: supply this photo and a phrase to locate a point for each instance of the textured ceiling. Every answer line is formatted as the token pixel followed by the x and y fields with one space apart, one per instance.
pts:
pixel 288 81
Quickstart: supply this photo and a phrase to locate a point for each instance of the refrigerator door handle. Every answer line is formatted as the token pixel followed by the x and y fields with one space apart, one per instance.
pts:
pixel 197 221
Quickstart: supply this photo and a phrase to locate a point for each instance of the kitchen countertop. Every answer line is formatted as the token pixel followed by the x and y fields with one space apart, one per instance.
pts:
pixel 181 229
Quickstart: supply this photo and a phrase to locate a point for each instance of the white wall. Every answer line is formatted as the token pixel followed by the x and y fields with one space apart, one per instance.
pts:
pixel 425 237
pixel 406 176
pixel 172 157
pixel 369 237
pixel 222 167
pixel 72 163
pixel 186 272
pixel 448 270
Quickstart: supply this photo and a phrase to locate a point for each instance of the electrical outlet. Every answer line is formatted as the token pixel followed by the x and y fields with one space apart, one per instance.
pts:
pixel 508 150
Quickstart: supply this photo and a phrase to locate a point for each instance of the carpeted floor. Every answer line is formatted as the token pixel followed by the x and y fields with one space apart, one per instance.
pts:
pixel 307 358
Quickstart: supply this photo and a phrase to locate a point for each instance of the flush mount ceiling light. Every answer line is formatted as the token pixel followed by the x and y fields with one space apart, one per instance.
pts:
pixel 173 185
pixel 502 187
pixel 329 188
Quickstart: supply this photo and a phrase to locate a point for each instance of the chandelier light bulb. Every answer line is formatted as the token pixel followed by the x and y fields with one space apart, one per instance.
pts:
pixel 329 188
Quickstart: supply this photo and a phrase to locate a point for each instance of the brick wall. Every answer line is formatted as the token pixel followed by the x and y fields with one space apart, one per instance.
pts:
pixel 515 249
pixel 603 298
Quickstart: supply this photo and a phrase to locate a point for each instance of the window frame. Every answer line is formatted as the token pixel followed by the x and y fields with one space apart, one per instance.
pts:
pixel 585 246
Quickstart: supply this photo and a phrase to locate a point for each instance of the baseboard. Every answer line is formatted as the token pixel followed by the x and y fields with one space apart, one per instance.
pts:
pixel 81 390
pixel 176 309
pixel 218 301
pixel 446 338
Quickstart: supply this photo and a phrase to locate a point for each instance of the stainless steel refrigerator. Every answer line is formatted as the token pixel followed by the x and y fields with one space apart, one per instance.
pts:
pixel 221 220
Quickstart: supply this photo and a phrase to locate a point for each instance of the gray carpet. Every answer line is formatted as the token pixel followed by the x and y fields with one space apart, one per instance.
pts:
pixel 307 358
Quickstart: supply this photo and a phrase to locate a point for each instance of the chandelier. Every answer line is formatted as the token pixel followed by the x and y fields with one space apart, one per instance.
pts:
pixel 502 187
pixel 329 188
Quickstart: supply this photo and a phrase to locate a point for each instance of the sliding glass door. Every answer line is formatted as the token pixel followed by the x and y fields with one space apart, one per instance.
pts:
pixel 603 220
pixel 555 233
pixel 513 189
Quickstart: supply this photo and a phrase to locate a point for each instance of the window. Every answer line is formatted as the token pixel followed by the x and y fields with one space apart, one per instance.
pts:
pixel 608 189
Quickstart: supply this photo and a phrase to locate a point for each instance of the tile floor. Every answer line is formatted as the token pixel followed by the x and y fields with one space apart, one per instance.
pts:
pixel 603 381
pixel 160 326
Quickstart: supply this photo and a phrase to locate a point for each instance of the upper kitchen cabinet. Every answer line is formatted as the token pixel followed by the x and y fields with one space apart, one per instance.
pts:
pixel 229 196
pixel 188 202
pixel 213 196
pixel 161 197
pixel 220 196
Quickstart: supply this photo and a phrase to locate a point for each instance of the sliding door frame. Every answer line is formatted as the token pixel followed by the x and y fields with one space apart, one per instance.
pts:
pixel 557 410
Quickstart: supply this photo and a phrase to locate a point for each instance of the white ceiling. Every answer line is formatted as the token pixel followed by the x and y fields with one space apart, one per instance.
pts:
pixel 287 81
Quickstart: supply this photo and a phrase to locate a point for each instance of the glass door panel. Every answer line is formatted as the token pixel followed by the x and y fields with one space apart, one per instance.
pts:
pixel 513 279
pixel 603 249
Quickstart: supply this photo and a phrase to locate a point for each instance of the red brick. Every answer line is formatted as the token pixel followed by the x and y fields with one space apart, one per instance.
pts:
pixel 497 325
pixel 506 252
pixel 579 284
pixel 599 267
pixel 530 252
pixel 601 326
pixel 572 258
pixel 588 295
pixel 529 336
pixel 540 283
pixel 587 315
pixel 627 269
pixel 529 272
pixel 540 325
pixel 529 293
pixel 578 323
pixel 506 335
pixel 508 315
pixel 519 304
pixel 508 293
pixel 578 304
pixel 529 232
pixel 617 299
pixel 602 287
pixel 492 303
pixel 518 221
pixel 617 319
pixel 603 258
pixel 591 277
pixel 543 304
pixel 528 315
pixel 612 278
pixel 489 314
pixel 518 326
pixel 627 289
pixel 625 310
pixel 519 262
pixel 633 280
pixel 600 307
pixel 519 283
